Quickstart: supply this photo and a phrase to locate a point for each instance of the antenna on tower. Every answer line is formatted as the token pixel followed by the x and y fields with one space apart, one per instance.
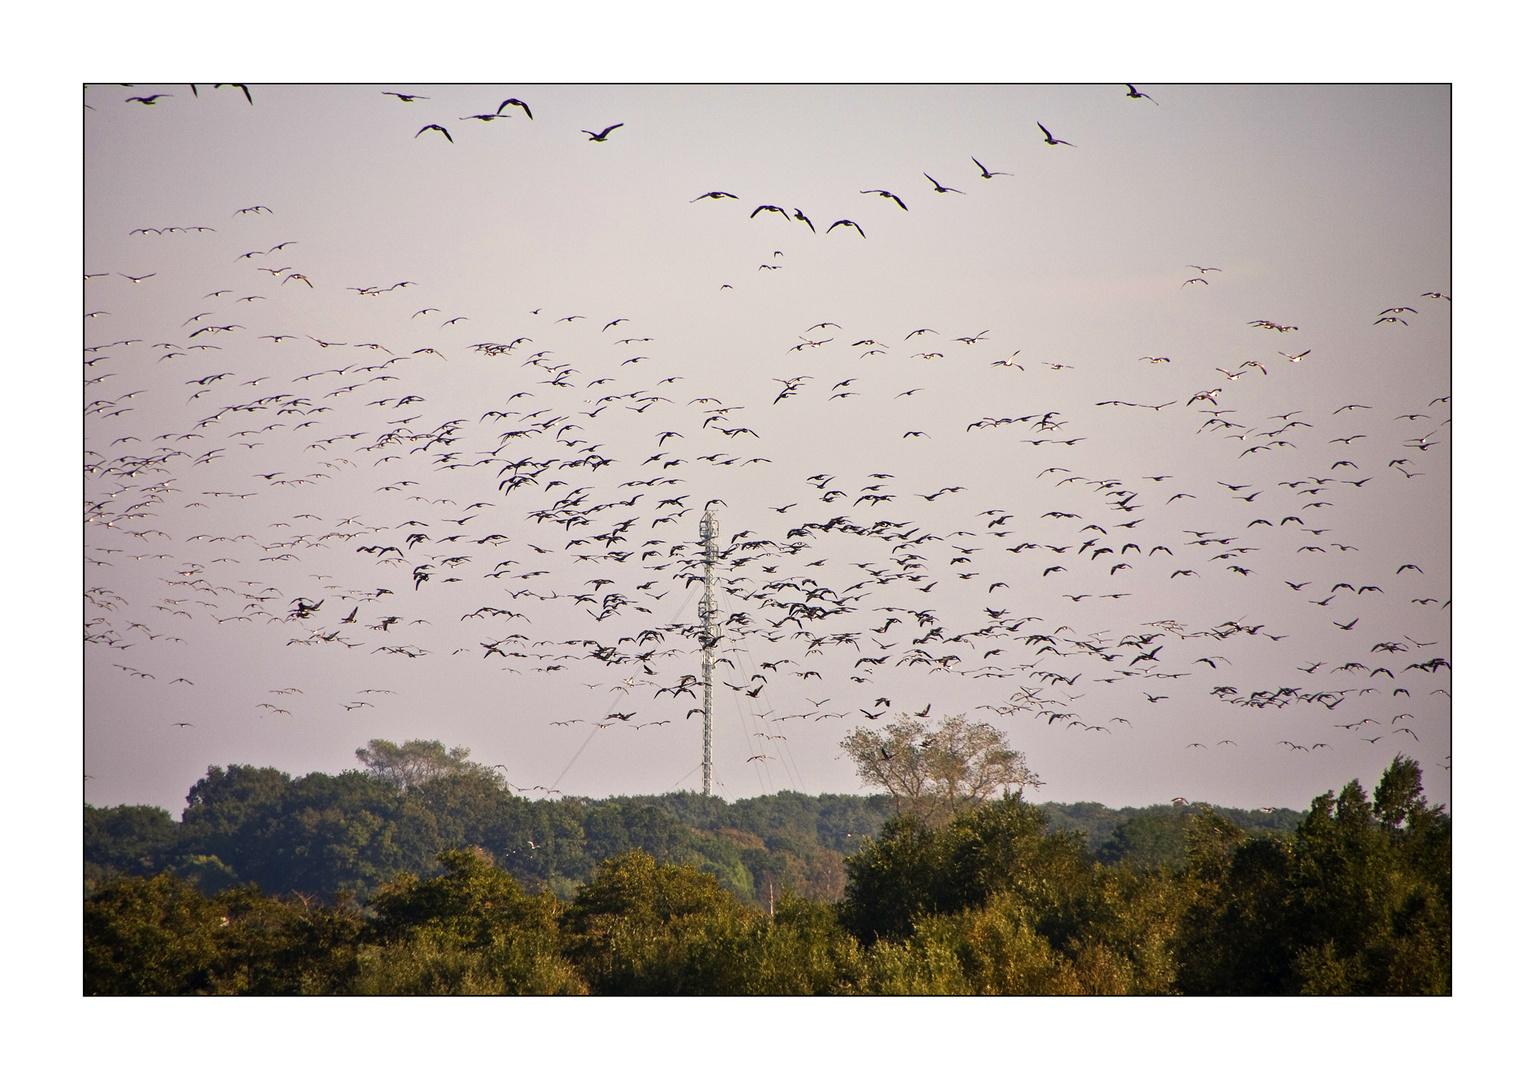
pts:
pixel 708 636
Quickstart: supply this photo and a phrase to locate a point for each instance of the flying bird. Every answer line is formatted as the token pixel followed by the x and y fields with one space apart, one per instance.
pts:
pixel 523 105
pixel 1134 93
pixel 845 221
pixel 885 195
pixel 435 127
pixel 940 188
pixel 987 174
pixel 1051 140
pixel 601 136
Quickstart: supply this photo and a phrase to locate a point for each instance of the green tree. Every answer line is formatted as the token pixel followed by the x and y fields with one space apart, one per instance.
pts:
pixel 471 930
pixel 1356 902
pixel 227 807
pixel 913 871
pixel 935 773
pixel 418 761
pixel 271 946
pixel 994 902
pixel 1148 840
pixel 641 927
pixel 126 840
pixel 150 936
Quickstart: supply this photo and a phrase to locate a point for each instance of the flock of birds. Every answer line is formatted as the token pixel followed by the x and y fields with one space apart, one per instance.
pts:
pixel 249 475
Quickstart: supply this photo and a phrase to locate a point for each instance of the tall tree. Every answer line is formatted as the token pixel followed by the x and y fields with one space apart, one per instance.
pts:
pixel 417 761
pixel 935 773
pixel 1356 902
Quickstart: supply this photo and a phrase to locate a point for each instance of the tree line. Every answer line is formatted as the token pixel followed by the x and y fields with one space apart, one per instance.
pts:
pixel 359 830
pixel 362 883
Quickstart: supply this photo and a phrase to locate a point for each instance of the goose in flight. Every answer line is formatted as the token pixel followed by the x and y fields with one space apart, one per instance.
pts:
pixel 714 195
pixel 407 98
pixel 940 188
pixel 1134 93
pixel 771 209
pixel 523 105
pixel 987 174
pixel 435 127
pixel 150 100
pixel 1051 140
pixel 845 221
pixel 601 136
pixel 886 195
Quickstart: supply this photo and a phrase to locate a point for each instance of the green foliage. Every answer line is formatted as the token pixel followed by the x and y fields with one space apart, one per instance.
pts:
pixel 206 873
pixel 670 894
pixel 418 761
pixel 294 946
pixel 1097 823
pixel 994 903
pixel 150 936
pixel 804 950
pixel 1146 840
pixel 356 831
pixel 1357 902
pixel 472 930
pixel 160 935
pixel 642 927
pixel 324 833
pixel 913 871
pixel 126 840
pixel 990 950
pixel 226 806
pixel 935 773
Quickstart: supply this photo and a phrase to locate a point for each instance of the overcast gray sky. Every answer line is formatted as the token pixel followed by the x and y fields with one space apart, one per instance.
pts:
pixel 1157 419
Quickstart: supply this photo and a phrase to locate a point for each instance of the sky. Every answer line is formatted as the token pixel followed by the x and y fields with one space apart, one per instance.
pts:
pixel 1135 446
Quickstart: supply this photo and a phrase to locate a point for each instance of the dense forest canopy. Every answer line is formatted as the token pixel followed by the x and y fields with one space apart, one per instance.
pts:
pixel 360 829
pixel 446 882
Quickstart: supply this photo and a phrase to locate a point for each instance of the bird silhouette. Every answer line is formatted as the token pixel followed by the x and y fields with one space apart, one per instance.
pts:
pixel 885 195
pixel 1051 140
